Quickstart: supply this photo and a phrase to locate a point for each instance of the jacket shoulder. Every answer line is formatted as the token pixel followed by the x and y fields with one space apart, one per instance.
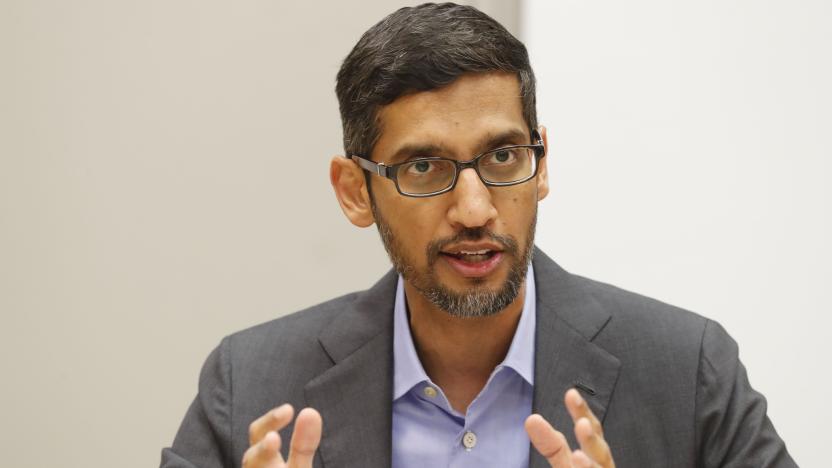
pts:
pixel 294 331
pixel 649 336
pixel 624 305
pixel 598 309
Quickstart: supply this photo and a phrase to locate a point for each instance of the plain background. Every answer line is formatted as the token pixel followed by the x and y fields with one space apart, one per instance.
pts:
pixel 691 146
pixel 150 201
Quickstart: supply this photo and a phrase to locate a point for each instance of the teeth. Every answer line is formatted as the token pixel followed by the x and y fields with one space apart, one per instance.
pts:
pixel 468 252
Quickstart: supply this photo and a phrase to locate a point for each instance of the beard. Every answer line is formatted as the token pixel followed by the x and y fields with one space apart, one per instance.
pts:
pixel 477 301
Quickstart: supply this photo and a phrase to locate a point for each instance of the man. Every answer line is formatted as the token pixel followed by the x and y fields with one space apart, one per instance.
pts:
pixel 480 344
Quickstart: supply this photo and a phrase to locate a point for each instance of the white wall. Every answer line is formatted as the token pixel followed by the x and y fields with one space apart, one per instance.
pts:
pixel 691 162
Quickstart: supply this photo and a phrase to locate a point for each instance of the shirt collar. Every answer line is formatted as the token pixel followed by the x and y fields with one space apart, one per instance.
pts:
pixel 408 370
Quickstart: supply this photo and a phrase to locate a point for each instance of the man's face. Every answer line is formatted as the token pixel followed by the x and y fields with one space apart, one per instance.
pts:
pixel 466 250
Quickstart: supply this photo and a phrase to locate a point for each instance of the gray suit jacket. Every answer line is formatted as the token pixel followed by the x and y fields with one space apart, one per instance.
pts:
pixel 667 384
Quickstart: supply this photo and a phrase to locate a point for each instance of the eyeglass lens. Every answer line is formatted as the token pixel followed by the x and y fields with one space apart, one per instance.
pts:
pixel 500 166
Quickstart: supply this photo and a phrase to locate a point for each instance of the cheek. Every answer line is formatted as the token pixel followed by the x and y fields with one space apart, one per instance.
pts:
pixel 523 197
pixel 519 196
pixel 415 222
pixel 516 212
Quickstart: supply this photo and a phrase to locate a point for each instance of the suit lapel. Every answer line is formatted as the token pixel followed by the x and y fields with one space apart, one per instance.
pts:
pixel 354 396
pixel 567 321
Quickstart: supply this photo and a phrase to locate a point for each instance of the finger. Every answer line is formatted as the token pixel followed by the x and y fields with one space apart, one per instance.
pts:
pixel 274 420
pixel 265 453
pixel 549 442
pixel 577 407
pixel 581 460
pixel 305 439
pixel 592 444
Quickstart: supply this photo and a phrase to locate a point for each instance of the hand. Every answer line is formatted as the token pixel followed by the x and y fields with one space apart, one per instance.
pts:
pixel 594 451
pixel 264 441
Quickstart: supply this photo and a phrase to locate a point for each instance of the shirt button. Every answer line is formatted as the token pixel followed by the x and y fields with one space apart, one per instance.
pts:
pixel 430 392
pixel 469 440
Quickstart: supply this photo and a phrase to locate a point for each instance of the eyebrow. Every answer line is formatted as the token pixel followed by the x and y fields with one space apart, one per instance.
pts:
pixel 416 149
pixel 491 141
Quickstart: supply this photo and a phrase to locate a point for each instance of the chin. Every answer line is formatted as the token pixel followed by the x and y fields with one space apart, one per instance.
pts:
pixel 475 299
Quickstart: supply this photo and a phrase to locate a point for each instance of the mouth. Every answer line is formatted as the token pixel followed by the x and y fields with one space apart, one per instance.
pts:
pixel 472 262
pixel 472 256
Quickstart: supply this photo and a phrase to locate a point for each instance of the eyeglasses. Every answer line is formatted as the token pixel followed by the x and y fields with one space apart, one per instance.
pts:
pixel 426 177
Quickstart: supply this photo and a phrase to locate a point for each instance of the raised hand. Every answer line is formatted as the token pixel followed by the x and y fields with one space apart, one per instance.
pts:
pixel 594 451
pixel 265 443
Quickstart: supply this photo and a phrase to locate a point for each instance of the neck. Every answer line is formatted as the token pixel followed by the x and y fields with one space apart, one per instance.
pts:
pixel 459 354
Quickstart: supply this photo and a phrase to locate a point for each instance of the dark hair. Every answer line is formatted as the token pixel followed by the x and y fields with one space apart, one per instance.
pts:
pixel 418 49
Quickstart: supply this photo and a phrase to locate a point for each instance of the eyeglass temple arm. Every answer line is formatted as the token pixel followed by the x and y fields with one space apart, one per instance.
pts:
pixel 366 164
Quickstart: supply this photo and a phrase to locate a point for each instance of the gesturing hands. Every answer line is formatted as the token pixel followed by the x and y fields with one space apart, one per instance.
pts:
pixel 265 443
pixel 594 451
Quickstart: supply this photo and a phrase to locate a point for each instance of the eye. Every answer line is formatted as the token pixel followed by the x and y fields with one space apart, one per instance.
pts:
pixel 421 166
pixel 500 157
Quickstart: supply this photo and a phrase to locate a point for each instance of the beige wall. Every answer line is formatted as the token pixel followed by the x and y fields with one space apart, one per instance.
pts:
pixel 147 207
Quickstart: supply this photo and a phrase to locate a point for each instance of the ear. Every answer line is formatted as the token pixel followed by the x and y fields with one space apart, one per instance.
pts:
pixel 542 171
pixel 351 191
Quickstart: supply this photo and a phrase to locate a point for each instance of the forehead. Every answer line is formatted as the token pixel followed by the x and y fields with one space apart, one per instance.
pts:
pixel 455 117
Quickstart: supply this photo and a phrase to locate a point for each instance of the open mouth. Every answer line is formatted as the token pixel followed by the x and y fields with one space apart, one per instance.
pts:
pixel 472 256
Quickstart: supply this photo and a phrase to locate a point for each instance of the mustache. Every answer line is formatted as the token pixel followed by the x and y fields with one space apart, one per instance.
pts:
pixel 434 248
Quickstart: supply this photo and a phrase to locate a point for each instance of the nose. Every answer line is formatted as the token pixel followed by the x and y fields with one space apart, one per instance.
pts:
pixel 472 204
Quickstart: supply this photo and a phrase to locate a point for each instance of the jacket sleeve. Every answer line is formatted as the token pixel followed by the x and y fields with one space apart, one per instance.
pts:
pixel 204 437
pixel 732 428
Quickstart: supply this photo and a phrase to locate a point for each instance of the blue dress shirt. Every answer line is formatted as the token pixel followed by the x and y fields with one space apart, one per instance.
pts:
pixel 428 432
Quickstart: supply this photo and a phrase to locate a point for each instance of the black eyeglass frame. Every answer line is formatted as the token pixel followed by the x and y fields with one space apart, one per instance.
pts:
pixel 390 171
